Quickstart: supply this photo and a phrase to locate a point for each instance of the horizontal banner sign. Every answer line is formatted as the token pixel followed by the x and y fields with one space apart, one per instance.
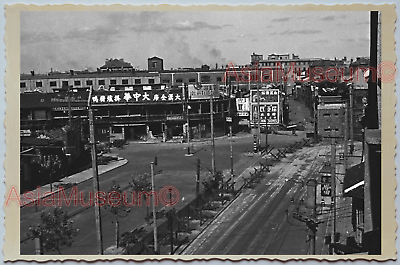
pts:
pixel 265 95
pixel 135 97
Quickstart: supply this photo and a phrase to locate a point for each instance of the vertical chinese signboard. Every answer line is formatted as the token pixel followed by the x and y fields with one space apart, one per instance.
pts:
pixel 242 107
pixel 326 187
pixel 269 106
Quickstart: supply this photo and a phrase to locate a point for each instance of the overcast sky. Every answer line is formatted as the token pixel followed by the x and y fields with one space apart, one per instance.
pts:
pixel 79 40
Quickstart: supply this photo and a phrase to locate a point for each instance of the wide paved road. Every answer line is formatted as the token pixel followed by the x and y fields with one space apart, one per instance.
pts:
pixel 177 170
pixel 259 221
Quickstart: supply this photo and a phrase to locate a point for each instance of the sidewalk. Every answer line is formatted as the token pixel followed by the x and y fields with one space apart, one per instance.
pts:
pixel 344 227
pixel 182 140
pixel 44 191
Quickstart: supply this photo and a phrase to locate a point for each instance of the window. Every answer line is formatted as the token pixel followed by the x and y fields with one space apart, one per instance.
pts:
pixel 233 78
pixel 179 80
pixel 219 79
pixel 124 81
pixel 151 81
pixel 165 81
pixel 65 83
pixel 53 83
pixel 138 81
pixel 205 79
pixel 77 83
pixel 192 80
pixel 154 64
pixel 22 84
pixel 39 84
pixel 240 106
pixel 89 82
pixel 113 82
pixel 102 82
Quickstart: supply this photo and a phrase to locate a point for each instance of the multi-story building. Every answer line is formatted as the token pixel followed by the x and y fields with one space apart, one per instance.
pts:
pixel 128 103
pixel 331 113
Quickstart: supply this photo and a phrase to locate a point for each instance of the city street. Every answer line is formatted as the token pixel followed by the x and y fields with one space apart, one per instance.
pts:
pixel 174 168
pixel 260 221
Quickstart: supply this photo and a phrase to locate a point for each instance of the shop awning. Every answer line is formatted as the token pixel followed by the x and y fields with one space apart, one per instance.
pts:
pixel 353 185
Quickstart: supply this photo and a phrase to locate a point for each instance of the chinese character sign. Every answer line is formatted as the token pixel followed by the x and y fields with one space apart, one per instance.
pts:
pixel 123 97
pixel 203 91
pixel 326 188
pixel 243 104
pixel 268 112
pixel 265 95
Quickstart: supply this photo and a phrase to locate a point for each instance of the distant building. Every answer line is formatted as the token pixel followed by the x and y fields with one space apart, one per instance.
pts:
pixel 129 104
pixel 331 114
pixel 155 64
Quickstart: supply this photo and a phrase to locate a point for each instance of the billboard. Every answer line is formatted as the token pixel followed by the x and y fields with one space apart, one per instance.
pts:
pixel 203 91
pixel 268 112
pixel 265 95
pixel 269 102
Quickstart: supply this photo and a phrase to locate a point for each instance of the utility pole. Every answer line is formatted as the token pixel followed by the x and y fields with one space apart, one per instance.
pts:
pixel 230 126
pixel 171 236
pixel 198 177
pixel 187 120
pixel 315 115
pixel 259 115
pixel 312 203
pixel 50 172
pixel 212 134
pixel 154 209
pixel 116 231
pixel 346 135
pixel 69 106
pixel 95 177
pixel 333 180
pixel 351 120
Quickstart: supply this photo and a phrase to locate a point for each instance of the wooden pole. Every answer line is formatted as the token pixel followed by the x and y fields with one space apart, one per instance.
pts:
pixel 116 231
pixel 198 177
pixel 212 135
pixel 346 136
pixel 95 182
pixel 187 120
pixel 154 209
pixel 231 147
pixel 351 121
pixel 333 180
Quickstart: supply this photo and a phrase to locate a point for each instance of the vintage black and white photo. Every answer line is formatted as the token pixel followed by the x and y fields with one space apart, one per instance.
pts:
pixel 216 133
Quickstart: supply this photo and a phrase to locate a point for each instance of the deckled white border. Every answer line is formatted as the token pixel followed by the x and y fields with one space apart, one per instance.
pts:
pixel 233 2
